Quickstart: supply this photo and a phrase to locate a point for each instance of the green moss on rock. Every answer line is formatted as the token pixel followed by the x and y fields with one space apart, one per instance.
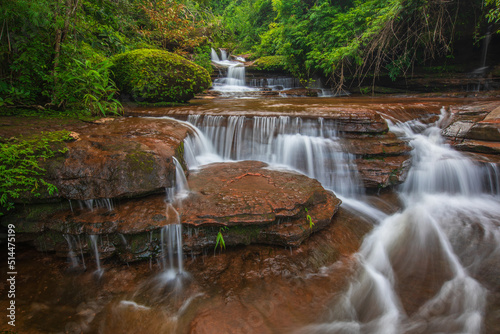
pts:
pixel 140 162
pixel 149 75
pixel 270 63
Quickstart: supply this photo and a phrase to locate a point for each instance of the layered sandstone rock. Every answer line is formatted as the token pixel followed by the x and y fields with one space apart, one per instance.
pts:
pixel 127 157
pixel 475 128
pixel 256 204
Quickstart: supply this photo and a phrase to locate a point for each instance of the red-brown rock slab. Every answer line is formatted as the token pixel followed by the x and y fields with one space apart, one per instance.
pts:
pixel 383 171
pixel 475 128
pixel 357 118
pixel 382 144
pixel 247 194
pixel 253 203
pixel 126 157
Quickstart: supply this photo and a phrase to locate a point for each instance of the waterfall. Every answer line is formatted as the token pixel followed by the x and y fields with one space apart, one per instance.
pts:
pixel 427 256
pixel 95 247
pixel 181 188
pixel 486 44
pixel 90 204
pixel 72 257
pixel 276 83
pixel 214 56
pixel 480 72
pixel 234 81
pixel 172 256
pixel 223 54
pixel 310 146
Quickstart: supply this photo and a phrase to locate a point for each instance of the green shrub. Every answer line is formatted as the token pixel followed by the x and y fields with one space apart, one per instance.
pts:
pixel 270 63
pixel 149 75
pixel 90 83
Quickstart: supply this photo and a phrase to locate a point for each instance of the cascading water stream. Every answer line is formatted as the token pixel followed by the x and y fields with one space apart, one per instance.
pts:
pixel 309 146
pixel 171 234
pixel 165 288
pixel 276 83
pixel 95 247
pixel 90 204
pixel 418 268
pixel 72 257
pixel 234 80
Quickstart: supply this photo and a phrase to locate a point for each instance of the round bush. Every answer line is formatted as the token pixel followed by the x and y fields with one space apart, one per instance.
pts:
pixel 158 76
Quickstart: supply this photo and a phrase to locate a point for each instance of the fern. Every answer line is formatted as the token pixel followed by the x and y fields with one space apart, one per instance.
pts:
pixel 20 172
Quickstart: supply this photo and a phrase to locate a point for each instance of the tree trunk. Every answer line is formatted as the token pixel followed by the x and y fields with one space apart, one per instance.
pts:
pixel 60 36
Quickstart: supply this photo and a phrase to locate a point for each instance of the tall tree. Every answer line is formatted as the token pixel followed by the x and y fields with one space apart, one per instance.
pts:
pixel 65 11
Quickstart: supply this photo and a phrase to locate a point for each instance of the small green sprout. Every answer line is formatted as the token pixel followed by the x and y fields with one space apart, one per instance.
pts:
pixel 309 219
pixel 220 238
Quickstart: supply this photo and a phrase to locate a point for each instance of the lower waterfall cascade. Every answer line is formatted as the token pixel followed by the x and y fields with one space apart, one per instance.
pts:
pixel 417 256
pixel 441 231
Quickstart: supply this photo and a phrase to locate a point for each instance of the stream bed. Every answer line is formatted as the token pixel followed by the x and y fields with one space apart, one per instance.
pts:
pixel 419 257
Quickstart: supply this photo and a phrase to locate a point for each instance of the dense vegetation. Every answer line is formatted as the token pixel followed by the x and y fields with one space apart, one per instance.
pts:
pixel 56 53
pixel 358 39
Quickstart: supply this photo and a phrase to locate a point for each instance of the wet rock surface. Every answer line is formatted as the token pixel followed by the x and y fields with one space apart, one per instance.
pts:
pixel 238 283
pixel 382 158
pixel 475 128
pixel 383 171
pixel 126 157
pixel 256 203
pixel 351 116
pixel 132 157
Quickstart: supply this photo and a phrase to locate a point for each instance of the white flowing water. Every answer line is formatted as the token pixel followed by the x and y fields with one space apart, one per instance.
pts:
pixel 172 257
pixel 276 83
pixel 232 80
pixel 181 189
pixel 90 204
pixel 420 269
pixel 95 247
pixel 310 146
pixel 72 257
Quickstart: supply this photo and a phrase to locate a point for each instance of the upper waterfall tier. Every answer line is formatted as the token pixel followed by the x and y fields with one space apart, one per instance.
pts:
pixel 232 74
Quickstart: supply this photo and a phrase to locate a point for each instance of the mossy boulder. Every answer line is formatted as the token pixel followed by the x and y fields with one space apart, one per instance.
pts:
pixel 270 63
pixel 149 75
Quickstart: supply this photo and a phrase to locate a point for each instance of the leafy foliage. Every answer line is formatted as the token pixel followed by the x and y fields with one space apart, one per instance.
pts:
pixel 53 52
pixel 173 25
pixel 493 14
pixel 346 41
pixel 20 172
pixel 270 63
pixel 159 76
pixel 351 40
pixel 91 83
pixel 244 21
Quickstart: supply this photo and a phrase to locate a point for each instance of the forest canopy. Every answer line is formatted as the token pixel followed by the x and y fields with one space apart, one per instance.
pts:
pixel 56 53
